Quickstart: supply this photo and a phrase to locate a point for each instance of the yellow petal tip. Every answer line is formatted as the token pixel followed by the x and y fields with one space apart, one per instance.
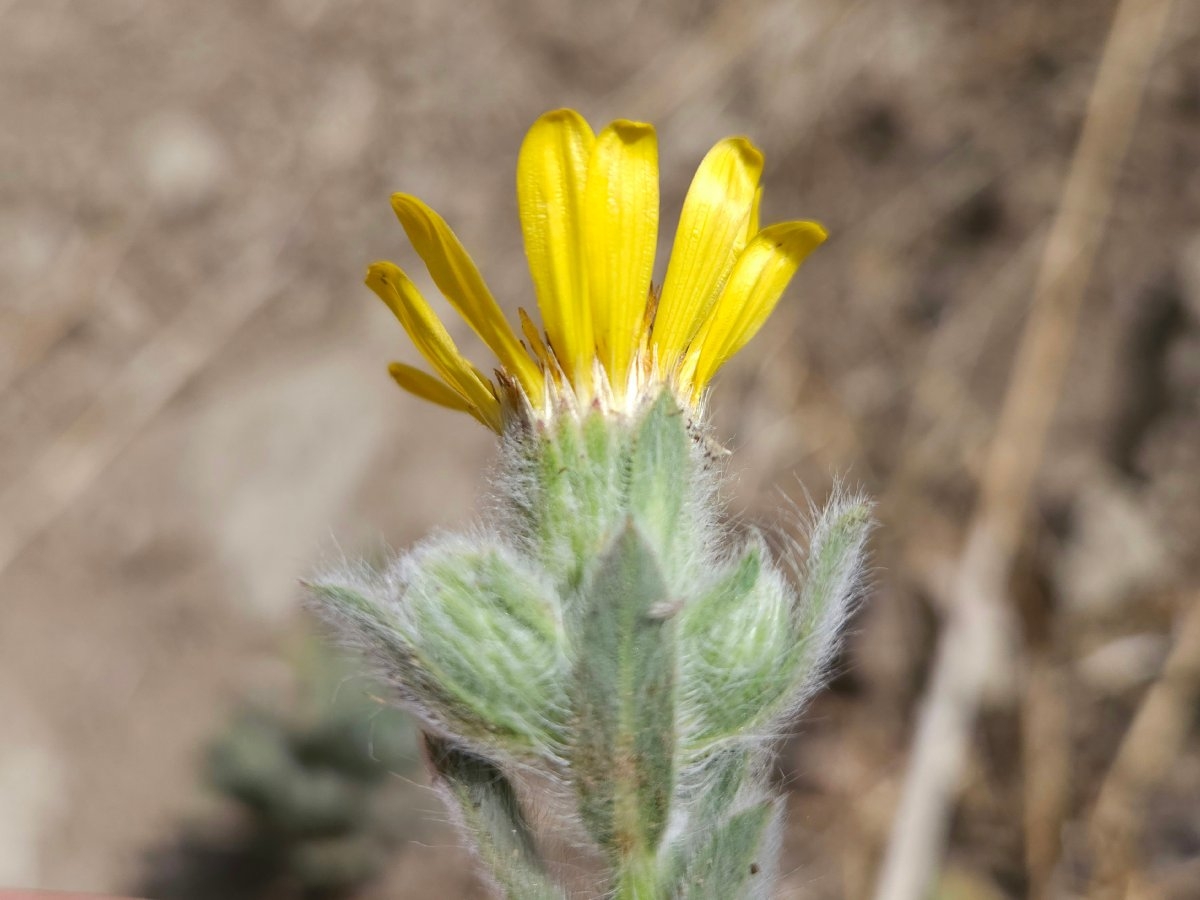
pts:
pixel 630 131
pixel 380 267
pixel 383 277
pixel 404 204
pixel 752 156
pixel 795 237
pixel 561 115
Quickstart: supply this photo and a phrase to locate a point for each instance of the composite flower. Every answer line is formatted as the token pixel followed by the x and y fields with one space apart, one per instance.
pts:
pixel 610 339
pixel 603 631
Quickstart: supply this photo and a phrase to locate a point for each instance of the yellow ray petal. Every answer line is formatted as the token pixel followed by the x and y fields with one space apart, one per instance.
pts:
pixel 752 220
pixel 430 337
pixel 712 231
pixel 755 285
pixel 427 387
pixel 456 276
pixel 621 231
pixel 551 175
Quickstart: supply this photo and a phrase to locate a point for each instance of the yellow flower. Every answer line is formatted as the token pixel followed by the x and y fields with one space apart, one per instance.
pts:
pixel 589 212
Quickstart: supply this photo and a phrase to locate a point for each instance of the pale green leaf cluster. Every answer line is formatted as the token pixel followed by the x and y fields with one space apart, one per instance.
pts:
pixel 609 633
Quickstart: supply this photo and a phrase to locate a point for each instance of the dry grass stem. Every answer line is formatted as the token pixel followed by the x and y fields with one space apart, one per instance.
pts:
pixel 972 642
pixel 1153 742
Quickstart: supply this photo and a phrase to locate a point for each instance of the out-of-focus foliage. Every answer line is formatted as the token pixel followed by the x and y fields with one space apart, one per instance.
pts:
pixel 314 789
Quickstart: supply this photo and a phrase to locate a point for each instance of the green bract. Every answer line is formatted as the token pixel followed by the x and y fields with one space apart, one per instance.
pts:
pixel 610 634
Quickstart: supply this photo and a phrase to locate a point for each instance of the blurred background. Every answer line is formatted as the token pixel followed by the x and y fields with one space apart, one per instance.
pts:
pixel 195 412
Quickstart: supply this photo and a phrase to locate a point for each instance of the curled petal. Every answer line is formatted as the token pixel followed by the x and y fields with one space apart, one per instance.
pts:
pixel 431 338
pixel 712 232
pixel 427 387
pixel 757 281
pixel 456 276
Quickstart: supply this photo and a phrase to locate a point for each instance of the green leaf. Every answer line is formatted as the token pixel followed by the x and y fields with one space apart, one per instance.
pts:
pixel 832 575
pixel 719 782
pixel 365 619
pixel 491 816
pixel 712 789
pixel 728 863
pixel 357 612
pixel 624 692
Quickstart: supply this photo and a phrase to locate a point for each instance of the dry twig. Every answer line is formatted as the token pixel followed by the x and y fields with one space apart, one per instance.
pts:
pixel 972 641
pixel 1153 742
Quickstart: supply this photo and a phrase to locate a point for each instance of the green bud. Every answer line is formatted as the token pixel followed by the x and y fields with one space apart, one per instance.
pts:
pixel 604 634
pixel 662 481
pixel 475 640
pixel 577 490
pixel 739 642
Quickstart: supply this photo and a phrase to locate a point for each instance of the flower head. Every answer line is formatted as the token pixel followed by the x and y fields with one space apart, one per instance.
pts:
pixel 589 212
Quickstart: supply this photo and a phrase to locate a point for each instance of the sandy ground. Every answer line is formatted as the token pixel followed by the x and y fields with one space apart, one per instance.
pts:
pixel 194 409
